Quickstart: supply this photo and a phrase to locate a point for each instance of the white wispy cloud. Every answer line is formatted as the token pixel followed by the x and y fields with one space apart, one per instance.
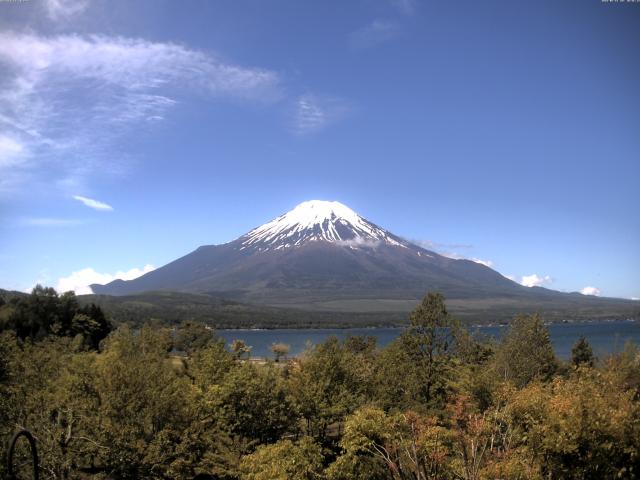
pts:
pixel 448 250
pixel 441 247
pixel 377 32
pixel 457 256
pixel 314 112
pixel 486 263
pixel 64 9
pixel 80 280
pixel 535 280
pixel 66 99
pixel 91 203
pixel 590 291
pixel 358 242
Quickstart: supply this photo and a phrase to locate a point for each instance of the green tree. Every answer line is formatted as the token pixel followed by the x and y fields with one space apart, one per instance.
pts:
pixel 280 350
pixel 209 366
pixel 252 402
pixel 192 336
pixel 145 406
pixel 103 328
pixel 45 313
pixel 85 328
pixel 240 349
pixel 582 354
pixel 208 446
pixel 473 379
pixel 416 368
pixel 526 352
pixel 429 342
pixel 45 404
pixel 331 380
pixel 404 445
pixel 625 368
pixel 583 426
pixel 284 460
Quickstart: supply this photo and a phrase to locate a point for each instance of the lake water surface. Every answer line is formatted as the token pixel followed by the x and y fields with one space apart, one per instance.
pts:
pixel 604 337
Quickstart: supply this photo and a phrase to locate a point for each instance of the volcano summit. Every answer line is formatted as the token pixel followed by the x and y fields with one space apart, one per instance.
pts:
pixel 324 256
pixel 317 221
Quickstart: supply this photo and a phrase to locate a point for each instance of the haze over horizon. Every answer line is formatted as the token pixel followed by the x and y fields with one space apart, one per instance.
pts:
pixel 131 134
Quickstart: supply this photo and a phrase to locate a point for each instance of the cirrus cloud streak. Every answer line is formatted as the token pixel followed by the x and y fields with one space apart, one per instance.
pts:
pixel 91 203
pixel 313 113
pixel 66 99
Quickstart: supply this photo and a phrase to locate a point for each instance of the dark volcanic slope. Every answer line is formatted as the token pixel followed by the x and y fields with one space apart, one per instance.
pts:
pixel 322 254
pixel 319 269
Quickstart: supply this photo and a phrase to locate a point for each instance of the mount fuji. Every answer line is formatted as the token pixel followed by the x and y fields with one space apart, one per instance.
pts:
pixel 324 256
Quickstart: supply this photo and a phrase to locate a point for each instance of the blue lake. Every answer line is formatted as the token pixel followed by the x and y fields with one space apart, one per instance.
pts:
pixel 604 337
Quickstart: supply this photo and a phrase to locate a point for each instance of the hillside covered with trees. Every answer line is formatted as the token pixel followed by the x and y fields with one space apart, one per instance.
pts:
pixel 437 403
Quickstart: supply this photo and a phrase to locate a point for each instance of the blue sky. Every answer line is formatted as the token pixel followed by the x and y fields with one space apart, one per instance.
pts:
pixel 133 132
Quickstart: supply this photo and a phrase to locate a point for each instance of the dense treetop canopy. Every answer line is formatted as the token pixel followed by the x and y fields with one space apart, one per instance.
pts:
pixel 437 403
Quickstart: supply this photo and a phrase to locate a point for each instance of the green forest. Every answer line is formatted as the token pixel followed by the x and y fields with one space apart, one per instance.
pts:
pixel 439 402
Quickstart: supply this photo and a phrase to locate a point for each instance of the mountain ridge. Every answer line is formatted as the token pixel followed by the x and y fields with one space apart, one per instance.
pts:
pixel 322 253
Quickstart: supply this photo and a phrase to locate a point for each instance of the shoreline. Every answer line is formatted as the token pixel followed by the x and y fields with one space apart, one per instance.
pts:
pixel 391 327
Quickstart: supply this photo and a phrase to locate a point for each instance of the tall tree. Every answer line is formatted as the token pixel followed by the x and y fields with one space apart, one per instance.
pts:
pixel 331 381
pixel 526 352
pixel 582 353
pixel 416 367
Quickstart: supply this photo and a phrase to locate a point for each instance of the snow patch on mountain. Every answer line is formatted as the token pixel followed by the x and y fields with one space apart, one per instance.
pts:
pixel 317 220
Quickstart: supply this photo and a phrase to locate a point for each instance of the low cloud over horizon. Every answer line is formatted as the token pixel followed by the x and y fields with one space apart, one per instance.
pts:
pixel 533 280
pixel 591 291
pixel 80 281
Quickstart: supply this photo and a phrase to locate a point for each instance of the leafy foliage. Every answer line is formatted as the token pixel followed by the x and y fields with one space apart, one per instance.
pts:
pixel 284 460
pixel 44 313
pixel 526 352
pixel 192 336
pixel 438 403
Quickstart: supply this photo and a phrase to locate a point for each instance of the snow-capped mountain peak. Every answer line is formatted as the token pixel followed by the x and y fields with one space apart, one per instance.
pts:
pixel 317 220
